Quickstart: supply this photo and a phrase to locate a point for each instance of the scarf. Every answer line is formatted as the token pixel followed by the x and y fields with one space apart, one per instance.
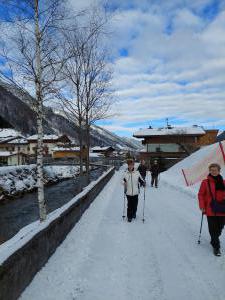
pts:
pixel 218 182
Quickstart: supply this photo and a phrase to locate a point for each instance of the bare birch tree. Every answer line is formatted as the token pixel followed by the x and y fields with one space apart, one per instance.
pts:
pixel 34 58
pixel 89 76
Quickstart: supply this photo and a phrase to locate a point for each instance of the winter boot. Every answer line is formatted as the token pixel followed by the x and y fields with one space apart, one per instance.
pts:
pixel 216 251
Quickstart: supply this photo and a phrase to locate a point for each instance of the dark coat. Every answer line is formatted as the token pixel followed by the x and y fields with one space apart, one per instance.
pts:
pixel 142 170
pixel 154 170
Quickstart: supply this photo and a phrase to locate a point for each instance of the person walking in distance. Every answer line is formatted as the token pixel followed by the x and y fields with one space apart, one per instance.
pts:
pixel 211 198
pixel 142 169
pixel 154 173
pixel 131 180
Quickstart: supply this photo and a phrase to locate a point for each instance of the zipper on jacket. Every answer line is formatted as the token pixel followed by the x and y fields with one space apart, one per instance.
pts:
pixel 132 184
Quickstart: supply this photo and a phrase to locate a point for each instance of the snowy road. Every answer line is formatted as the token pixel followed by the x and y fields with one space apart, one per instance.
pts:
pixel 106 258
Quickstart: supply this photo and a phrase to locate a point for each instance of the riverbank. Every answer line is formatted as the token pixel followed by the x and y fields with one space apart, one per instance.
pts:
pixel 17 180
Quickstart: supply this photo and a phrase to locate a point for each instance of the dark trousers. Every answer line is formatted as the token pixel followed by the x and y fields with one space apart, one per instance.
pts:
pixel 132 203
pixel 215 225
pixel 154 180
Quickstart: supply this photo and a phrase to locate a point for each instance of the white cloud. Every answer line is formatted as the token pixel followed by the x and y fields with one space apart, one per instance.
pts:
pixel 181 74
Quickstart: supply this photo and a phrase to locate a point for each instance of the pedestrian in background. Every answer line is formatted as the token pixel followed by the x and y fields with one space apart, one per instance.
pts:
pixel 154 169
pixel 142 169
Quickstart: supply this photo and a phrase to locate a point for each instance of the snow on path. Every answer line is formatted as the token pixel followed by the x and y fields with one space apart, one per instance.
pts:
pixel 106 258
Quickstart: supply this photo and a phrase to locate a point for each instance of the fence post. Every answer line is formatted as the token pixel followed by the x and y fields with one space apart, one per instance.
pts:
pixel 222 150
pixel 185 177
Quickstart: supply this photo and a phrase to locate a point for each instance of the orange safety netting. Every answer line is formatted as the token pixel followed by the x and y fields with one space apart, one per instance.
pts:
pixel 200 170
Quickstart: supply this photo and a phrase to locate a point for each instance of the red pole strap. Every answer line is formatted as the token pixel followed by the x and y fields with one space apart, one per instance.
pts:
pixel 222 150
pixel 185 177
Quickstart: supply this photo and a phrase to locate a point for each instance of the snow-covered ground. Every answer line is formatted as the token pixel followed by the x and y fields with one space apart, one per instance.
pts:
pixel 106 258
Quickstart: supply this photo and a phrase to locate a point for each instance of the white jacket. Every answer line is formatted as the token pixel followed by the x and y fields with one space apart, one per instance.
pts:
pixel 132 179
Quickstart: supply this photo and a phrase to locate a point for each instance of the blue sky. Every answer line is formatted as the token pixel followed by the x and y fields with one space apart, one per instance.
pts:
pixel 169 62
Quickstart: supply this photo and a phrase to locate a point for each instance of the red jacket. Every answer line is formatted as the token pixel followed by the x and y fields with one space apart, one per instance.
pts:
pixel 204 196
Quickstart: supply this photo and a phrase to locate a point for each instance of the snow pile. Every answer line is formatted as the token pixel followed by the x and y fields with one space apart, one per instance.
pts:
pixel 174 176
pixel 61 172
pixel 18 179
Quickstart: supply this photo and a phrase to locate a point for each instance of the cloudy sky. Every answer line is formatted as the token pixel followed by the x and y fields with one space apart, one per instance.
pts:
pixel 169 62
pixel 168 58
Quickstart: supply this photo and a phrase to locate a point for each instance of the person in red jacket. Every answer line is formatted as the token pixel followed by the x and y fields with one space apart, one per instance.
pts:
pixel 213 187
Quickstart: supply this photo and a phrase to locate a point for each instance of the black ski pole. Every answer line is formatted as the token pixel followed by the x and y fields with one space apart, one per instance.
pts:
pixel 124 204
pixel 200 232
pixel 143 219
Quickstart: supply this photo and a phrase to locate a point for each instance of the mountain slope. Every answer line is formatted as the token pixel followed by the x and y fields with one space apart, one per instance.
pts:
pixel 17 109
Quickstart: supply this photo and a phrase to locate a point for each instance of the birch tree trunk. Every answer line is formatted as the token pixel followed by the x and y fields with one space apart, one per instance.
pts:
pixel 81 147
pixel 39 99
pixel 88 149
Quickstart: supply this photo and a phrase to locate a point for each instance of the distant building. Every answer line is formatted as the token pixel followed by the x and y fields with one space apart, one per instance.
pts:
pixel 50 142
pixel 8 158
pixel 13 147
pixel 106 151
pixel 173 143
pixel 68 152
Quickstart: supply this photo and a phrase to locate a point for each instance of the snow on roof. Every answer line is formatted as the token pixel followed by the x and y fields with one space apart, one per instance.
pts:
pixel 91 154
pixel 18 141
pixel 97 148
pixel 9 133
pixel 122 147
pixel 195 130
pixel 45 137
pixel 66 149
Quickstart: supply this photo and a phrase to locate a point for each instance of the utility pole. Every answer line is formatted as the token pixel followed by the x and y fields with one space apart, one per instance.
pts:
pixel 167 123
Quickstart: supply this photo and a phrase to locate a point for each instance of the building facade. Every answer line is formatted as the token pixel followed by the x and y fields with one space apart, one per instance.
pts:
pixel 171 144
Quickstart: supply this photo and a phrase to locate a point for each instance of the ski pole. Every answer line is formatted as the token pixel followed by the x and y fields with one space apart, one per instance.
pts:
pixel 124 204
pixel 200 232
pixel 143 219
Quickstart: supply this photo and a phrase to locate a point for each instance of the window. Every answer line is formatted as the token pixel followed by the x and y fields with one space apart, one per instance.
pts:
pixel 163 148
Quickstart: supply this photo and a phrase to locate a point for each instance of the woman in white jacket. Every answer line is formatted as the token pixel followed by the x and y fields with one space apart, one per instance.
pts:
pixel 132 179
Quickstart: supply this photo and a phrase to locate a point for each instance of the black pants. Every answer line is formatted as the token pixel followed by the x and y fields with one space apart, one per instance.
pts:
pixel 132 203
pixel 215 225
pixel 154 180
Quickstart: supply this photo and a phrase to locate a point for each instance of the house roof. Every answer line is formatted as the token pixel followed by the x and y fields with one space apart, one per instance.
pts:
pixel 169 131
pixel 48 137
pixel 45 137
pixel 18 141
pixel 8 134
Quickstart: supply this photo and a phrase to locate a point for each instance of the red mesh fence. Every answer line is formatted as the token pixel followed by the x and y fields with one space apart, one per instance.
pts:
pixel 200 170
